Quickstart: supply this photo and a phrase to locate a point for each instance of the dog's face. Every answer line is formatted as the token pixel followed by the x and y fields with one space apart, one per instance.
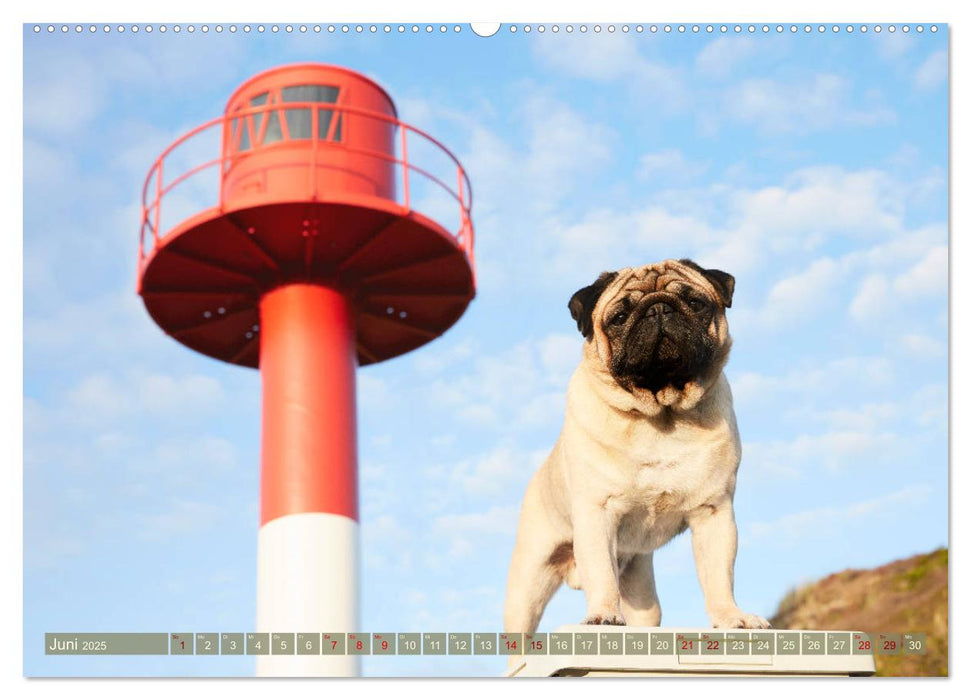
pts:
pixel 659 330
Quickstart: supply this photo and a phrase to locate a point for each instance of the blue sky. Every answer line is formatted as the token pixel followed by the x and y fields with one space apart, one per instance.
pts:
pixel 812 167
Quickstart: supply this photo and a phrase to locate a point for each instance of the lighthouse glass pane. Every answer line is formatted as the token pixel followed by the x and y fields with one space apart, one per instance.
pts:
pixel 274 132
pixel 244 140
pixel 310 93
pixel 299 123
pixel 258 101
pixel 323 126
pixel 337 129
pixel 299 120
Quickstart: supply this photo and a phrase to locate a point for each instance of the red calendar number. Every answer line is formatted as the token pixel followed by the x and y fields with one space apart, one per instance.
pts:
pixel 712 645
pixel 864 645
pixel 511 645
pixel 384 645
pixel 687 644
pixel 360 645
pixel 889 645
pixel 536 644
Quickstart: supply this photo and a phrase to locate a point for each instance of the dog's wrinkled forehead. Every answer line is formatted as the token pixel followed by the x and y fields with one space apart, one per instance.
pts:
pixel 672 277
pixel 669 276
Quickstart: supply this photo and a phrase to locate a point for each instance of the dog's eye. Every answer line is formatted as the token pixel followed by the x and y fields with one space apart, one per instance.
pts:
pixel 697 305
pixel 618 318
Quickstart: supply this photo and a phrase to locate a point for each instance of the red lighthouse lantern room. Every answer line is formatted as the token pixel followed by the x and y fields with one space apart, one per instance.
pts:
pixel 293 245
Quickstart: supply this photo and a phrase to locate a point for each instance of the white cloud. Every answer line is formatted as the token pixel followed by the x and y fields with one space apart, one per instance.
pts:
pixel 926 278
pixel 871 299
pixel 821 102
pixel 818 521
pixel 99 438
pixel 767 459
pixel 525 173
pixel 445 526
pixel 893 46
pixel 669 166
pixel 523 386
pixel 192 457
pixel 559 355
pixel 879 296
pixel 387 543
pixel 561 140
pixel 414 597
pixel 379 489
pixel 47 169
pixel 495 471
pixel 720 57
pixel 62 99
pixel 467 607
pixel 923 347
pixel 899 247
pixel 444 355
pixel 413 109
pixel 796 298
pixel 560 149
pixel 181 518
pixel 867 421
pixel 465 530
pixel 816 202
pixel 676 558
pixel 931 404
pixel 53 546
pixel 608 240
pixel 932 72
pixel 498 520
pixel 604 58
pixel 99 397
pixel 374 393
pixel 868 417
pixel 839 450
pixel 92 332
pixel 814 378
pixel 739 229
pixel 443 440
pixel 612 58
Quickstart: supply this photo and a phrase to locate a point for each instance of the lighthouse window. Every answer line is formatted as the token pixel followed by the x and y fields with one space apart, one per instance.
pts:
pixel 299 123
pixel 310 93
pixel 274 132
pixel 258 101
pixel 242 125
pixel 239 127
pixel 300 120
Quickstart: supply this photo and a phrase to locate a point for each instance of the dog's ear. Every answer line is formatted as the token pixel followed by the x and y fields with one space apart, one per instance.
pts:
pixel 582 303
pixel 723 282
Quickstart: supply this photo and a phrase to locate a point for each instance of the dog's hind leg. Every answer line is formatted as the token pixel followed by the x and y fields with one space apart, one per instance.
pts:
pixel 638 596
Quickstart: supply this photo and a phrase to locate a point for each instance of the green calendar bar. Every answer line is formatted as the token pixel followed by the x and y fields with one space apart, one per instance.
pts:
pixel 106 643
pixel 609 642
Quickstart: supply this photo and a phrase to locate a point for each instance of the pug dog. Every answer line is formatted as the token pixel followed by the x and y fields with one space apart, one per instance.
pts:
pixel 649 448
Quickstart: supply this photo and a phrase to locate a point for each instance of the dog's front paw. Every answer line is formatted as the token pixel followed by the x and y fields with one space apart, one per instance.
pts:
pixel 604 619
pixel 737 620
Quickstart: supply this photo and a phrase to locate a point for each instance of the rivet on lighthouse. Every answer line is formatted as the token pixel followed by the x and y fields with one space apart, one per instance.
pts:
pixel 307 262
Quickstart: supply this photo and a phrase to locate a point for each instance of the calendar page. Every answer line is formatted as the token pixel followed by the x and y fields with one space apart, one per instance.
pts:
pixel 438 349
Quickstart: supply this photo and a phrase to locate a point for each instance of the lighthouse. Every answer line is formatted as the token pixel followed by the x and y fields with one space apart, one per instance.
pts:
pixel 309 262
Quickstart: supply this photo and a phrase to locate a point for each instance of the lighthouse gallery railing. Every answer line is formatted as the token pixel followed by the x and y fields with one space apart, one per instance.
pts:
pixel 156 187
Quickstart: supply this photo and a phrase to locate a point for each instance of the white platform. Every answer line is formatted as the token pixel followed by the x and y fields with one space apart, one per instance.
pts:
pixel 695 664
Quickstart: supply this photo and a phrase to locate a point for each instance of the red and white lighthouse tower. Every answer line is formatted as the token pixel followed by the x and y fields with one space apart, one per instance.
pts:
pixel 309 261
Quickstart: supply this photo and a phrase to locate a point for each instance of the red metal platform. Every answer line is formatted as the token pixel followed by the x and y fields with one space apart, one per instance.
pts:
pixel 314 203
